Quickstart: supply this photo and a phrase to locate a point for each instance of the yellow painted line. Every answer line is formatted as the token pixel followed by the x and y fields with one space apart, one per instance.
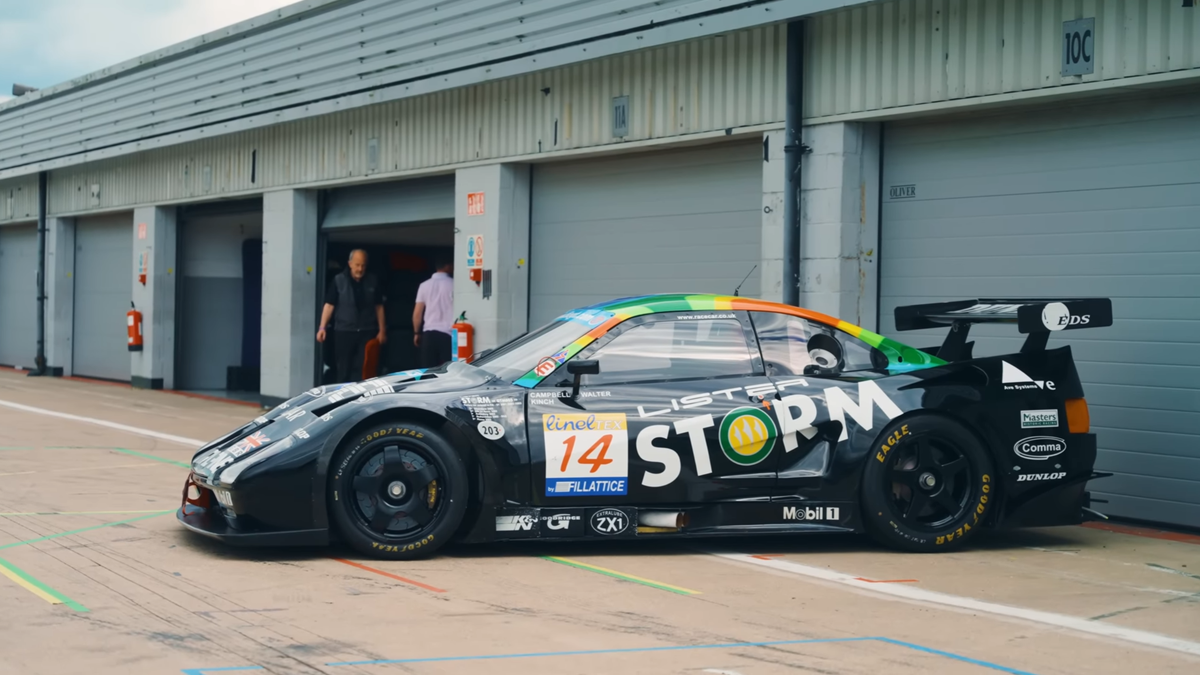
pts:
pixel 29 583
pixel 621 575
pixel 20 581
pixel 153 514
pixel 84 468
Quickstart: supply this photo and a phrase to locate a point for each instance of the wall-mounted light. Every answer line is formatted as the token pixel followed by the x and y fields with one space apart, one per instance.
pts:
pixel 21 89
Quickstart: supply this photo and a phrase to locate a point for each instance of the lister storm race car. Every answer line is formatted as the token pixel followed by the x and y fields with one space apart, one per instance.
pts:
pixel 674 416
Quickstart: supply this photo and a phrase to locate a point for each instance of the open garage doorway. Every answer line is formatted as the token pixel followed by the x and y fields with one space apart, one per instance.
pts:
pixel 405 228
pixel 219 299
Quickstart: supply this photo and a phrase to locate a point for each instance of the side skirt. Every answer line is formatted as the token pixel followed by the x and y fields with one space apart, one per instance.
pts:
pixel 627 522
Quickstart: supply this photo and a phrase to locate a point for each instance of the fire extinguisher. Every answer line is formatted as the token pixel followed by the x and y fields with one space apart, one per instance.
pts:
pixel 133 323
pixel 462 336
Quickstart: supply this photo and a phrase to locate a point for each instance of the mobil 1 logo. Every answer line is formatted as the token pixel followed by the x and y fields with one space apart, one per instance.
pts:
pixel 812 514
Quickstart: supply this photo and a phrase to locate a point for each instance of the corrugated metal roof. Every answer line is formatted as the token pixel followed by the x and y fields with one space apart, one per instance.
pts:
pixel 708 85
pixel 349 55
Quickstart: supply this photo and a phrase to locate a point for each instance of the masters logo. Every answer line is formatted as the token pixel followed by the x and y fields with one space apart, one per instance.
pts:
pixel 747 435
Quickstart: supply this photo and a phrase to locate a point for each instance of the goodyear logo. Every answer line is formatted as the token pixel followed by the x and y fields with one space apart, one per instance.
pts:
pixel 747 436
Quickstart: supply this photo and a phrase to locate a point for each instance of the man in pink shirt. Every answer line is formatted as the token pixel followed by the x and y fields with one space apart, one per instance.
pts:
pixel 433 316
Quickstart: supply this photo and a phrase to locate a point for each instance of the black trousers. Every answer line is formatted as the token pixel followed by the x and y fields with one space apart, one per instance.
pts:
pixel 435 348
pixel 349 353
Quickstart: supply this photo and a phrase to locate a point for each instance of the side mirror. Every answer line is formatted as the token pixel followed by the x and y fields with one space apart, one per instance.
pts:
pixel 591 367
pixel 579 369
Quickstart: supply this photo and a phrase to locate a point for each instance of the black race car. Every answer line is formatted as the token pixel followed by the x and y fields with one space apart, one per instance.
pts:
pixel 676 415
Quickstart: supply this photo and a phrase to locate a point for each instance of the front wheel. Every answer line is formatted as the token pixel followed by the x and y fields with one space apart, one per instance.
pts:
pixel 398 491
pixel 929 485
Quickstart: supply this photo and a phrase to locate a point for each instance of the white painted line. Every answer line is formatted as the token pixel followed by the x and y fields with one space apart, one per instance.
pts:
pixel 191 442
pixel 921 595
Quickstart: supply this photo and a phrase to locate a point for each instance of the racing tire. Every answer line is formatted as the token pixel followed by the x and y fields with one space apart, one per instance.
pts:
pixel 397 491
pixel 929 485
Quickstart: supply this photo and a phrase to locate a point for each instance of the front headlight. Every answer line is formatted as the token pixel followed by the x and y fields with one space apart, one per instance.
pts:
pixel 229 475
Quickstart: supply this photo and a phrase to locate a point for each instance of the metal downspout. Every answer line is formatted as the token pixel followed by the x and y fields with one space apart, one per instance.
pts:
pixel 793 150
pixel 40 361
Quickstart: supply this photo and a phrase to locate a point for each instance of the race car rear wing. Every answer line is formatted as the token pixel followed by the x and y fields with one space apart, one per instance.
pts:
pixel 1035 317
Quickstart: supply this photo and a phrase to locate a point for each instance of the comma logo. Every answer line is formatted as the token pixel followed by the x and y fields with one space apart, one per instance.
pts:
pixel 1040 447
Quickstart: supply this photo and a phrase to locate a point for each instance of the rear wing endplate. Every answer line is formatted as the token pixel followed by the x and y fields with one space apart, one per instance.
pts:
pixel 1035 317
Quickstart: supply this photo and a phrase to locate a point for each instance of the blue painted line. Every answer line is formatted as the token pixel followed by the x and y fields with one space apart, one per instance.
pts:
pixel 486 657
pixel 956 657
pixel 629 650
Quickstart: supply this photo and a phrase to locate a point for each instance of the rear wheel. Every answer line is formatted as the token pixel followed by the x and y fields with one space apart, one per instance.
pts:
pixel 929 485
pixel 398 491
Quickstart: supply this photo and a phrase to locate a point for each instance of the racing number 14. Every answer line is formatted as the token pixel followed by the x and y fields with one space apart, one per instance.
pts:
pixel 602 445
pixel 601 469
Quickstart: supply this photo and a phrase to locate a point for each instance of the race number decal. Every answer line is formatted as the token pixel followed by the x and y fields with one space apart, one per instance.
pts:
pixel 586 455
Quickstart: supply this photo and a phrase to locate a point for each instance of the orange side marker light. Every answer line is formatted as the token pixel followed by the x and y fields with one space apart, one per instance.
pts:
pixel 1078 419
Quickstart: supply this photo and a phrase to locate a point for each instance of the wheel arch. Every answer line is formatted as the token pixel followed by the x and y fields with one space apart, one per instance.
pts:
pixel 482 470
pixel 970 424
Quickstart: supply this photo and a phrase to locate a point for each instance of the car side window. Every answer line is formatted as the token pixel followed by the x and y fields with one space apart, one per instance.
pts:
pixel 674 350
pixel 792 345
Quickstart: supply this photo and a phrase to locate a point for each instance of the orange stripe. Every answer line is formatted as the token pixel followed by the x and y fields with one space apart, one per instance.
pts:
pixel 390 575
pixel 763 305
pixel 1144 532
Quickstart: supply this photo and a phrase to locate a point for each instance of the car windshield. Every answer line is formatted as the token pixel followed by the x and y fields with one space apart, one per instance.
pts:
pixel 512 360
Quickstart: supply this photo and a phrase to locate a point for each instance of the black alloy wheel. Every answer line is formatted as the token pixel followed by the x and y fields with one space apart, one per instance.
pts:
pixel 929 485
pixel 930 481
pixel 398 491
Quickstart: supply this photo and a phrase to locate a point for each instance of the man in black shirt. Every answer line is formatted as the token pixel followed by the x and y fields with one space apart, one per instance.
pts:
pixel 355 303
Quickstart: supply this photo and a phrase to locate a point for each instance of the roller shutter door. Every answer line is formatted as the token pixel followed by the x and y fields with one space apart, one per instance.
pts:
pixel 18 295
pixel 213 298
pixel 103 289
pixel 1101 199
pixel 679 221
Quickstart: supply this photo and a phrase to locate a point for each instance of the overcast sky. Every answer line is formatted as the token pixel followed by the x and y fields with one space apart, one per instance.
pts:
pixel 46 42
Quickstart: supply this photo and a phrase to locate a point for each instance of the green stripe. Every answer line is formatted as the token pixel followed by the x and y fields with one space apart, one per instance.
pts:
pixel 42 587
pixel 135 453
pixel 81 530
pixel 614 575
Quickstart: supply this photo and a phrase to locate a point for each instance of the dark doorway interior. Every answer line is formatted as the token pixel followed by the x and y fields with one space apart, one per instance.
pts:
pixel 401 257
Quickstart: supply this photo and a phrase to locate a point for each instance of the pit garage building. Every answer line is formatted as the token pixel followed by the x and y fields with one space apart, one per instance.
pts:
pixel 845 156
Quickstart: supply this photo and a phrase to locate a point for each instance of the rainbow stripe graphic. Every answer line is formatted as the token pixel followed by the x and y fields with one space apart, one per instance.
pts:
pixel 901 357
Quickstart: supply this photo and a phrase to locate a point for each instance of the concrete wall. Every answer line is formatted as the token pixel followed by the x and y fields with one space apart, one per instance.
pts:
pixel 504 226
pixel 289 294
pixel 155 233
pixel 839 247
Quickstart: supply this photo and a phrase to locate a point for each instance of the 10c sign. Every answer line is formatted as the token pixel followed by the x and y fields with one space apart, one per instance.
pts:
pixel 1079 47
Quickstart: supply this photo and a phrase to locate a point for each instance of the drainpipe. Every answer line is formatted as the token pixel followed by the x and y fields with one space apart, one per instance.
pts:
pixel 793 150
pixel 40 361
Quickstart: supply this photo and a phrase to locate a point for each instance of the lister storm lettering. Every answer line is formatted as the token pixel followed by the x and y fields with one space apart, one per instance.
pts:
pixel 747 435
